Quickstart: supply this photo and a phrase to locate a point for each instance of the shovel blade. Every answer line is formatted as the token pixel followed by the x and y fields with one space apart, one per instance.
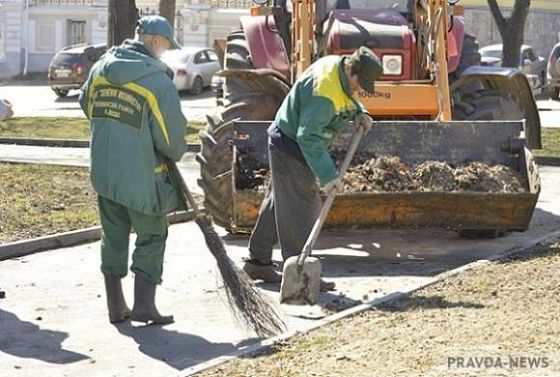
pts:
pixel 301 286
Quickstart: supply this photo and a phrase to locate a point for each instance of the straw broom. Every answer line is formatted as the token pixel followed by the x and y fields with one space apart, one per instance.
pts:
pixel 248 304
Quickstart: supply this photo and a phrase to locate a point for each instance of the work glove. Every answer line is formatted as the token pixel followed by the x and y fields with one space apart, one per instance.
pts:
pixel 335 184
pixel 363 122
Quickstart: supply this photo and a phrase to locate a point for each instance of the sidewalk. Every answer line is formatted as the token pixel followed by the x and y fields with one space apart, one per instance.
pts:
pixel 54 322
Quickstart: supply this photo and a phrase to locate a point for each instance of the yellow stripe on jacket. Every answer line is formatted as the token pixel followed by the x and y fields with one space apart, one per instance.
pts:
pixel 327 84
pixel 146 93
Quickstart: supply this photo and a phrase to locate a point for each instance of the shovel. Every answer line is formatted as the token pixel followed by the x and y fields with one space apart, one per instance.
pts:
pixel 301 279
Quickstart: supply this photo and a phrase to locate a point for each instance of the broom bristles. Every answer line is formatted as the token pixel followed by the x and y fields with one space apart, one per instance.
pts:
pixel 248 304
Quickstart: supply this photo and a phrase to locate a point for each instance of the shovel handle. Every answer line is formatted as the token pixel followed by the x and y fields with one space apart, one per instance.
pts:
pixel 314 234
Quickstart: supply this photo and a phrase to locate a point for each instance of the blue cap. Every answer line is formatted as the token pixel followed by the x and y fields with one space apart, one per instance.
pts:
pixel 157 25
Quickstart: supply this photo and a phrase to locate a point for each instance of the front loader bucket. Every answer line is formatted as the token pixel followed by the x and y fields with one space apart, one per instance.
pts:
pixel 457 143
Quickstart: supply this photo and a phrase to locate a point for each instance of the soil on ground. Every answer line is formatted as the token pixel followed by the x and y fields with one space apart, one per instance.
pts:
pixel 37 200
pixel 500 319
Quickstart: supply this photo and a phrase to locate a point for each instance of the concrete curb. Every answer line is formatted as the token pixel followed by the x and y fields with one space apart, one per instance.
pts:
pixel 67 239
pixel 61 143
pixel 70 143
pixel 267 343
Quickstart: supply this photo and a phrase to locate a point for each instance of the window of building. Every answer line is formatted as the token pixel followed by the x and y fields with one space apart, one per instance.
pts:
pixel 2 47
pixel 76 32
pixel 44 36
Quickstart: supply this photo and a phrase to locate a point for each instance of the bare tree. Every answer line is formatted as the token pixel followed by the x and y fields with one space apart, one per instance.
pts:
pixel 123 15
pixel 511 29
pixel 167 10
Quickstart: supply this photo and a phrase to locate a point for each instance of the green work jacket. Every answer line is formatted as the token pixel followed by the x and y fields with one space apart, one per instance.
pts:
pixel 136 124
pixel 317 108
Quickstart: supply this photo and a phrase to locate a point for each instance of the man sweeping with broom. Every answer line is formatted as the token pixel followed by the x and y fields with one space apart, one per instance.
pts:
pixel 320 105
pixel 137 127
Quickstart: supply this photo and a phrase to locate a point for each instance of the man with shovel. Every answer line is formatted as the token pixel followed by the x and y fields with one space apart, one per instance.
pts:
pixel 320 105
pixel 137 125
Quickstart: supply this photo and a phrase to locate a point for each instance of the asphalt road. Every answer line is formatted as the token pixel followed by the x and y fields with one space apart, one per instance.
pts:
pixel 549 111
pixel 37 99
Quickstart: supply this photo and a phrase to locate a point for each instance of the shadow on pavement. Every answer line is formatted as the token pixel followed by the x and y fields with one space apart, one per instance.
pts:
pixel 186 95
pixel 386 252
pixel 68 99
pixel 176 349
pixel 39 81
pixel 27 340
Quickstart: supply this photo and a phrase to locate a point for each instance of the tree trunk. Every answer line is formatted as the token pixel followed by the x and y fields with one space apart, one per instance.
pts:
pixel 167 10
pixel 123 15
pixel 511 29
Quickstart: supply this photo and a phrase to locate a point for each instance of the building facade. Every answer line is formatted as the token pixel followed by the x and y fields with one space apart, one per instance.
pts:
pixel 200 22
pixel 32 31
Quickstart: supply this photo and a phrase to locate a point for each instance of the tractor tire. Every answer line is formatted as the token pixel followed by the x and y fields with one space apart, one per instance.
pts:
pixel 469 56
pixel 485 105
pixel 241 101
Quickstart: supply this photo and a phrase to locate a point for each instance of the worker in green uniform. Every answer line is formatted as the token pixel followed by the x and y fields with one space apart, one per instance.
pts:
pixel 137 126
pixel 320 104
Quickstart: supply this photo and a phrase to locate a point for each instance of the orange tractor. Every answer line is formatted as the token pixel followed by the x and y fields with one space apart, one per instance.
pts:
pixel 433 102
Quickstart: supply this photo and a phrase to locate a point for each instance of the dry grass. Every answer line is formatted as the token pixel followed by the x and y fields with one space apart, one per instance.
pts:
pixel 37 200
pixel 68 128
pixel 46 127
pixel 551 143
pixel 498 310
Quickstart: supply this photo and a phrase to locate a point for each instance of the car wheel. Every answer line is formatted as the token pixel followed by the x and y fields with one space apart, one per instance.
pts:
pixel 197 86
pixel 554 93
pixel 61 92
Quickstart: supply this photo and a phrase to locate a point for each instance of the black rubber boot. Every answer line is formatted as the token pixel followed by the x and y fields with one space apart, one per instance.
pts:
pixel 327 286
pixel 118 310
pixel 144 309
pixel 259 271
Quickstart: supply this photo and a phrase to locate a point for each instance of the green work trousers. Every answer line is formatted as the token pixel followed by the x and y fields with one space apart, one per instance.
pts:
pixel 151 234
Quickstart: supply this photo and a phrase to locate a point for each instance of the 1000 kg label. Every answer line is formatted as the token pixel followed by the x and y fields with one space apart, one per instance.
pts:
pixel 381 95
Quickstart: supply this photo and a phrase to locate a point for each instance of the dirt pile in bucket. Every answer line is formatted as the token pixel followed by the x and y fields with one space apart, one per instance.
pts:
pixel 379 174
pixel 390 174
pixel 433 176
pixel 481 177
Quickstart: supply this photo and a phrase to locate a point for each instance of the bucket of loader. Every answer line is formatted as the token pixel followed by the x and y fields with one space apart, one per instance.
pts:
pixel 464 201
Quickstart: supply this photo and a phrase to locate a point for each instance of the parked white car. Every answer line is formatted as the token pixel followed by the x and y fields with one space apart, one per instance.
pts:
pixel 531 64
pixel 193 67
